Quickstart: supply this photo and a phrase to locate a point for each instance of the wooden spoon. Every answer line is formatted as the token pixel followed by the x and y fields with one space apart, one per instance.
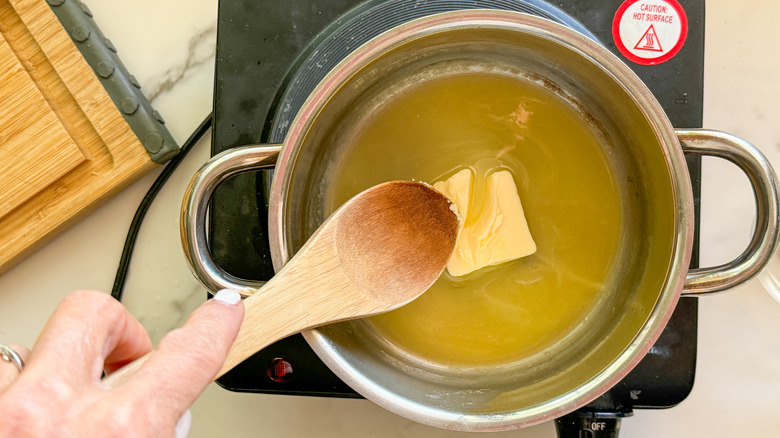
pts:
pixel 377 252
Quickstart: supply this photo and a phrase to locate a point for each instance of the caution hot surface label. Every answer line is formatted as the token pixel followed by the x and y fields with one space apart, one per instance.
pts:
pixel 650 31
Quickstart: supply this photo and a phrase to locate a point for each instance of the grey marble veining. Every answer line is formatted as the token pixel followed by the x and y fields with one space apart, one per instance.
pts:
pixel 201 50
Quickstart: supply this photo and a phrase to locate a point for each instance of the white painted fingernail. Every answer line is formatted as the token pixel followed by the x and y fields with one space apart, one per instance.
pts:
pixel 183 425
pixel 228 296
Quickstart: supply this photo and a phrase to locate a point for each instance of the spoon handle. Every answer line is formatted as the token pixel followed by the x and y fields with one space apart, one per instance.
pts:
pixel 272 313
pixel 281 308
pixel 269 316
pixel 311 290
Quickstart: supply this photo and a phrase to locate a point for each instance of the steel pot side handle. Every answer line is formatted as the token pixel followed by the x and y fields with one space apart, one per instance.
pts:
pixel 753 163
pixel 195 206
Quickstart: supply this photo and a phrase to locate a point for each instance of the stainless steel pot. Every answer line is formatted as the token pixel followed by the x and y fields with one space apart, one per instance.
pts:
pixel 657 199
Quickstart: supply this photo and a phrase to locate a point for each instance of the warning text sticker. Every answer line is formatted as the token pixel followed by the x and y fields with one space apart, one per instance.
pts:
pixel 650 31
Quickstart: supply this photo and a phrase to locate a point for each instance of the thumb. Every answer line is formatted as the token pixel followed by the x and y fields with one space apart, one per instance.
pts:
pixel 189 358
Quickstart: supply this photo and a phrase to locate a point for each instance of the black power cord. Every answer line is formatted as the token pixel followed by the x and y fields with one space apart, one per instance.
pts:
pixel 146 202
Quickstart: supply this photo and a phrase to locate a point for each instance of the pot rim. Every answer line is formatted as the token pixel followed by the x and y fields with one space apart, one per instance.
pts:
pixel 678 173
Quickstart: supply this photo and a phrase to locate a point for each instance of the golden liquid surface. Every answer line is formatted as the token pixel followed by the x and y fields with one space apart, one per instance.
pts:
pixel 491 121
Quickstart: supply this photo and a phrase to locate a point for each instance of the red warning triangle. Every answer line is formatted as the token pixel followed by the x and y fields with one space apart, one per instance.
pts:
pixel 649 41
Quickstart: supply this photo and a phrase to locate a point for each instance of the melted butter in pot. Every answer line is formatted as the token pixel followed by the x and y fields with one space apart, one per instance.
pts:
pixel 502 313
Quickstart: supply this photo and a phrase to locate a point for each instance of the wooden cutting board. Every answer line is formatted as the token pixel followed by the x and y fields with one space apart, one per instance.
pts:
pixel 64 145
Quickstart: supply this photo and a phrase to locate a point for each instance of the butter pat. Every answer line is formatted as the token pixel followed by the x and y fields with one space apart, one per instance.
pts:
pixel 495 234
pixel 458 190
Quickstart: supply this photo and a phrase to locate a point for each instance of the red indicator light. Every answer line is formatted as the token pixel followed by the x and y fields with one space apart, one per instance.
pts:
pixel 280 370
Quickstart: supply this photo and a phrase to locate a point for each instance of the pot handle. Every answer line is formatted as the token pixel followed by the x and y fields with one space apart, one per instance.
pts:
pixel 753 163
pixel 196 202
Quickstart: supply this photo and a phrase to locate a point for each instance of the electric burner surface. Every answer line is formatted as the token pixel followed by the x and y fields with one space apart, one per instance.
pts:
pixel 271 54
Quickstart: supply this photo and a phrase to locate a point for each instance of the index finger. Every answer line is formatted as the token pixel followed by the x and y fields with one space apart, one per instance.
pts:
pixel 88 330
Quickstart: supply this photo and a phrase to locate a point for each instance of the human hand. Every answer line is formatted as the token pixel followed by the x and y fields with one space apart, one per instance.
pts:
pixel 60 391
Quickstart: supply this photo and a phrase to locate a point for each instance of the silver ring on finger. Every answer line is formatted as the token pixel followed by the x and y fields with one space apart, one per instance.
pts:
pixel 10 355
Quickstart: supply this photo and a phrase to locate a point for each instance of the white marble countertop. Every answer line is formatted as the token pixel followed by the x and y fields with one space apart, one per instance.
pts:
pixel 170 45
